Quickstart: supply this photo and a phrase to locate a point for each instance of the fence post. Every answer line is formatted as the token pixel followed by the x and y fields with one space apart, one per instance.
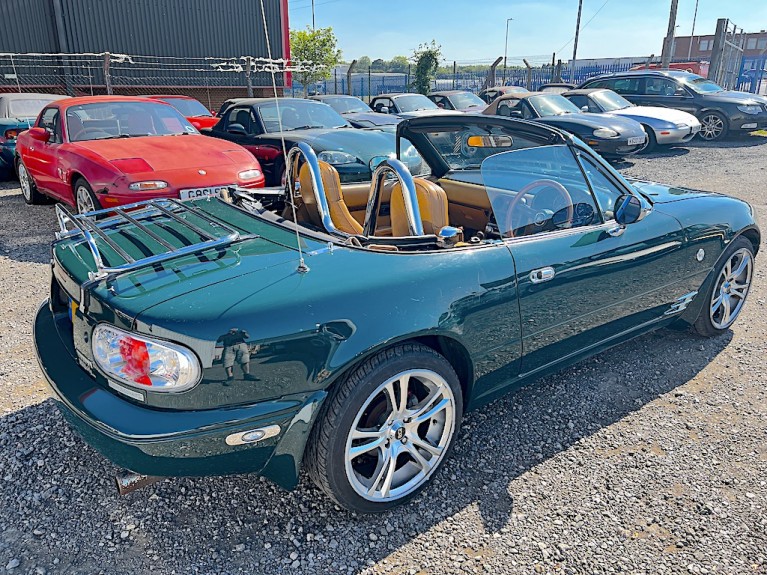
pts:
pixel 558 72
pixel 370 91
pixel 490 80
pixel 107 76
pixel 455 71
pixel 529 75
pixel 248 80
pixel 335 80
pixel 407 80
pixel 349 77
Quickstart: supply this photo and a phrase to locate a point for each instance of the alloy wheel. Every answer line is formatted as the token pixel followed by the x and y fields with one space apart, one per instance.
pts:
pixel 712 127
pixel 400 435
pixel 84 200
pixel 26 186
pixel 731 289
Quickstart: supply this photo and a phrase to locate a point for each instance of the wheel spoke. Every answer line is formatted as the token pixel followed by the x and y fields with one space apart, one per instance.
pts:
pixel 400 386
pixel 412 450
pixel 740 269
pixel 738 290
pixel 378 441
pixel 424 415
pixel 725 310
pixel 727 269
pixel 380 472
pixel 716 303
pixel 391 467
pixel 426 446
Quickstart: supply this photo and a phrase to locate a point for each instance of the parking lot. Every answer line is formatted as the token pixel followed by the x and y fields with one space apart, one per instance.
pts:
pixel 649 458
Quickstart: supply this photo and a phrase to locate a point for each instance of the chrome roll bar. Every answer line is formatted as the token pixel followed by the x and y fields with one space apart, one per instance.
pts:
pixel 318 189
pixel 407 184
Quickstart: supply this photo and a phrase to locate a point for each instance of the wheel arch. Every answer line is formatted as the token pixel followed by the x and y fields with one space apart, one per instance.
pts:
pixel 753 235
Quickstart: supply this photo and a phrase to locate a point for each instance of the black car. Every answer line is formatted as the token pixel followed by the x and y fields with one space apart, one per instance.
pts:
pixel 490 94
pixel 406 105
pixel 460 100
pixel 719 111
pixel 357 112
pixel 611 136
pixel 260 124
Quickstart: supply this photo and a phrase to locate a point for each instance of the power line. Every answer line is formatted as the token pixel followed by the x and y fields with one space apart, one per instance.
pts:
pixel 584 26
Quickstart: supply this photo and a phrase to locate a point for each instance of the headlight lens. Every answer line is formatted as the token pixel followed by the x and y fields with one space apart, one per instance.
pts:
pixel 249 174
pixel 336 158
pixel 605 133
pixel 148 185
pixel 142 362
pixel 750 109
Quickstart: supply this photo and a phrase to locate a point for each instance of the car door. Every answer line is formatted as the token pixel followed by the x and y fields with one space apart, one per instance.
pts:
pixel 630 87
pixel 583 281
pixel 667 93
pixel 43 157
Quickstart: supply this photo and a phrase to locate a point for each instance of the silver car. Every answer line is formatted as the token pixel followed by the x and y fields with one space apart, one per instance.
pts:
pixel 664 126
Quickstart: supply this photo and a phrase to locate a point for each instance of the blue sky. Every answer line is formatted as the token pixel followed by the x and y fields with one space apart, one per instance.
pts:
pixel 475 30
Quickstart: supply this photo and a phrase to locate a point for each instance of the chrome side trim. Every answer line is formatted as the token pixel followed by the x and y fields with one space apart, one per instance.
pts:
pixel 681 303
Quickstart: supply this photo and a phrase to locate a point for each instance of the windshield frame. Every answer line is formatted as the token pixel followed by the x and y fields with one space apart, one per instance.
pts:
pixel 476 100
pixel 692 81
pixel 420 97
pixel 171 100
pixel 363 107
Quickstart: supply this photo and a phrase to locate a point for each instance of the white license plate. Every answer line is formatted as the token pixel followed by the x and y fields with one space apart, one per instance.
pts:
pixel 748 126
pixel 635 141
pixel 201 192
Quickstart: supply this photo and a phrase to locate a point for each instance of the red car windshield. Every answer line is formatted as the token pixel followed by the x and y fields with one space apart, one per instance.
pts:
pixel 108 120
pixel 188 107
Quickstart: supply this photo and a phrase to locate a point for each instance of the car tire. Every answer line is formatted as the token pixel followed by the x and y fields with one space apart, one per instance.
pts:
pixel 369 453
pixel 652 141
pixel 713 126
pixel 278 174
pixel 724 299
pixel 85 199
pixel 29 191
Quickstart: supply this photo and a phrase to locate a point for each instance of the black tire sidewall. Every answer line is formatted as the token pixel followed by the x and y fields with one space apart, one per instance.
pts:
pixel 703 324
pixel 35 197
pixel 342 490
pixel 652 141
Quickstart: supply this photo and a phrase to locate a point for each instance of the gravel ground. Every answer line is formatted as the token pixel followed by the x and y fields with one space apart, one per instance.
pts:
pixel 647 459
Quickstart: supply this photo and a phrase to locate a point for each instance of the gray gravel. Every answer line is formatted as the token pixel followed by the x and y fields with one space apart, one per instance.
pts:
pixel 648 459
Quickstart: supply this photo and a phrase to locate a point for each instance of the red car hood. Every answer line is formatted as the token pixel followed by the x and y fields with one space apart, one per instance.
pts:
pixel 170 152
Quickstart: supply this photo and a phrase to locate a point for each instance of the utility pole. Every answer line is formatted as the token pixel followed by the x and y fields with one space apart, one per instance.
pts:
pixel 669 41
pixel 575 43
pixel 312 14
pixel 692 34
pixel 506 49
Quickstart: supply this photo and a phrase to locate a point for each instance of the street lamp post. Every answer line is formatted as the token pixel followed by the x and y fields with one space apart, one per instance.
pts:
pixel 692 33
pixel 506 49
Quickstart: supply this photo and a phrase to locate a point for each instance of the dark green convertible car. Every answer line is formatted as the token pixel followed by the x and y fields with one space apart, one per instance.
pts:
pixel 282 329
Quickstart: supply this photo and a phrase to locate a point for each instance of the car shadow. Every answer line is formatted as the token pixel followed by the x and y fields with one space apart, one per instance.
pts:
pixel 731 141
pixel 18 240
pixel 55 483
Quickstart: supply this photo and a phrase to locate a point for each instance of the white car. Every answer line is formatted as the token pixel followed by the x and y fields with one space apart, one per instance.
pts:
pixel 664 126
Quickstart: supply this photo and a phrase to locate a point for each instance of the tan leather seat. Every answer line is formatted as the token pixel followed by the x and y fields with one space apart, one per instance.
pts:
pixel 339 212
pixel 432 202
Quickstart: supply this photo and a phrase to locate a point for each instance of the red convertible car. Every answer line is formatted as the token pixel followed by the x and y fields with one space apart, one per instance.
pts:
pixel 193 110
pixel 106 151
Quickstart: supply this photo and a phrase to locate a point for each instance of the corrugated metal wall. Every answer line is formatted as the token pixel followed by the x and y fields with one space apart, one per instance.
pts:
pixel 27 26
pixel 182 28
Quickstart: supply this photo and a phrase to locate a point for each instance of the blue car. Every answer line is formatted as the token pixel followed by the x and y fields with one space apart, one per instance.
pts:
pixel 18 112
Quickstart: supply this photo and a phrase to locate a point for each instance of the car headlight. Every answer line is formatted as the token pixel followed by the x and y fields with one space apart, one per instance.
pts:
pixel 148 185
pixel 249 174
pixel 142 362
pixel 605 133
pixel 750 109
pixel 336 158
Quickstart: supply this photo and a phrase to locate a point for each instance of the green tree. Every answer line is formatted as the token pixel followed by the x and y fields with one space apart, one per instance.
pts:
pixel 378 65
pixel 426 58
pixel 398 64
pixel 363 63
pixel 316 51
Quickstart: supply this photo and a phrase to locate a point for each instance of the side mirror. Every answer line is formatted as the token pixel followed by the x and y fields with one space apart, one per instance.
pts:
pixel 515 114
pixel 383 109
pixel 237 129
pixel 584 108
pixel 40 134
pixel 680 92
pixel 630 209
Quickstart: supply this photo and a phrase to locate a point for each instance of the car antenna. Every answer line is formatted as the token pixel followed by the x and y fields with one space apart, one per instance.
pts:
pixel 302 267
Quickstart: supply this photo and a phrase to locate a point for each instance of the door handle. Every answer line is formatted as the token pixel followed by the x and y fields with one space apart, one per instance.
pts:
pixel 542 275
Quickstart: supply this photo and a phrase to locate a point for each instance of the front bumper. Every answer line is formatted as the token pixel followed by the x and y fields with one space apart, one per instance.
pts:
pixel 616 147
pixel 677 135
pixel 7 155
pixel 747 122
pixel 171 443
pixel 115 196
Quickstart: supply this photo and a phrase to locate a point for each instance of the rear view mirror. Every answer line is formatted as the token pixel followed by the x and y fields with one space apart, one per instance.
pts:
pixel 630 209
pixel 40 134
pixel 584 108
pixel 515 114
pixel 489 141
pixel 383 109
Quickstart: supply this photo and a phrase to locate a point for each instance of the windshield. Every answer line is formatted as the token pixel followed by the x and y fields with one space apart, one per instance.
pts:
pixel 27 108
pixel 609 101
pixel 466 147
pixel 346 105
pixel 464 100
pixel 552 105
pixel 107 120
pixel 188 107
pixel 300 115
pixel 699 84
pixel 415 103
pixel 537 189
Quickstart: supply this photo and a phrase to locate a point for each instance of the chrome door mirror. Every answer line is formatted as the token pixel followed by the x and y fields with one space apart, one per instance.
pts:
pixel 630 209
pixel 584 108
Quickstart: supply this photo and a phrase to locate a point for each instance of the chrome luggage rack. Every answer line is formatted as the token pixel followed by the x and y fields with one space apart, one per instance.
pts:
pixel 136 215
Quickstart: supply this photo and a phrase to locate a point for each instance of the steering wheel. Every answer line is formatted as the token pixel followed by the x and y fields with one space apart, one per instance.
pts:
pixel 94 133
pixel 509 225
